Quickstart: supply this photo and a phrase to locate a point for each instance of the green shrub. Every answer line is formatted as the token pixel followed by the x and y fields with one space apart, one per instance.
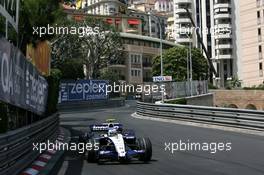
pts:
pixel 53 91
pixel 211 86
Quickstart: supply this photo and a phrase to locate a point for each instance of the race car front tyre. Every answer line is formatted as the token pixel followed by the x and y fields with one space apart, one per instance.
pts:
pixel 91 155
pixel 145 144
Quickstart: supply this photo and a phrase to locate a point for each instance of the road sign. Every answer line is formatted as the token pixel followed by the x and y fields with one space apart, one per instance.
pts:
pixel 162 78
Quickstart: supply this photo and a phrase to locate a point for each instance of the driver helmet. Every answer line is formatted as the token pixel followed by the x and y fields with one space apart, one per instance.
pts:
pixel 112 132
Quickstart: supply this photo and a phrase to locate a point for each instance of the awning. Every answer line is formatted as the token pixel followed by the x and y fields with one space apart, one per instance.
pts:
pixel 109 20
pixel 133 21
pixel 118 21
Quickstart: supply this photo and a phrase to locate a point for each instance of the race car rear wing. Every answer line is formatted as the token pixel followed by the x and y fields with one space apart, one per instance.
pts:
pixel 105 127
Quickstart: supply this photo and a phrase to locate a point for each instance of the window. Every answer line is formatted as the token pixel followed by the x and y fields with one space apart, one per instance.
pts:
pixel 260 49
pixel 260 70
pixel 258 17
pixel 136 73
pixel 259 35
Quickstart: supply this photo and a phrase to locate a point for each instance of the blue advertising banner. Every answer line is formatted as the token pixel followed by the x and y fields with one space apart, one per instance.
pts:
pixel 82 90
pixel 20 83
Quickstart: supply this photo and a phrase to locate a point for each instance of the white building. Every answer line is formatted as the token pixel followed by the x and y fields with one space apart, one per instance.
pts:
pixel 222 40
pixel 164 5
pixel 102 7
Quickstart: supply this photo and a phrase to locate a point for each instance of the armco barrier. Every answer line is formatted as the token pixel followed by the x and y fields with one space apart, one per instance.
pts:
pixel 16 147
pixel 248 119
pixel 82 105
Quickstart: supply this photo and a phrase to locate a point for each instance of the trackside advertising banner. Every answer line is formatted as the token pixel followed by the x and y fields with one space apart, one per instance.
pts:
pixel 20 83
pixel 82 90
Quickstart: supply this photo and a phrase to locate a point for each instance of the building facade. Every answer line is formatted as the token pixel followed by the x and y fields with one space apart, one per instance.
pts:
pixel 138 52
pixel 102 7
pixel 250 41
pixel 135 65
pixel 223 54
pixel 182 23
pixel 164 5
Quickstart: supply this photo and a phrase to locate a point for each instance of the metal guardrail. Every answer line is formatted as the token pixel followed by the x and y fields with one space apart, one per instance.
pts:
pixel 247 119
pixel 79 105
pixel 16 147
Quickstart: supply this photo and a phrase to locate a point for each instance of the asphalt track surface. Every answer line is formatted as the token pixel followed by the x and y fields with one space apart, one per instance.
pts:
pixel 245 158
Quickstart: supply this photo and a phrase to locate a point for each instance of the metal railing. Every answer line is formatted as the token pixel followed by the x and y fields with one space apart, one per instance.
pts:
pixel 16 147
pixel 240 118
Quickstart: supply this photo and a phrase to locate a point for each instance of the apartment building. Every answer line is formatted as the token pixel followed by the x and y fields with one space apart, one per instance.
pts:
pixel 102 7
pixel 250 42
pixel 136 64
pixel 237 43
pixel 182 23
pixel 164 5
pixel 223 40
pixel 170 30
pixel 151 23
pixel 143 5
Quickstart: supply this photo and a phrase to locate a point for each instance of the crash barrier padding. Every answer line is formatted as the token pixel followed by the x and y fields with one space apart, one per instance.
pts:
pixel 70 106
pixel 240 118
pixel 16 147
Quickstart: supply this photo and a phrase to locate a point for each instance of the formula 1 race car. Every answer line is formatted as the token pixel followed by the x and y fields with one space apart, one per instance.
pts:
pixel 110 142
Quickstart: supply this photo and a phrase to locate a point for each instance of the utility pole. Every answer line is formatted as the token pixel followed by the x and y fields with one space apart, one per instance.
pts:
pixel 161 48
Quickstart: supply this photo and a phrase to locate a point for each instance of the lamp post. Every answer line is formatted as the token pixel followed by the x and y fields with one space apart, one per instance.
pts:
pixel 161 48
pixel 191 73
pixel 189 68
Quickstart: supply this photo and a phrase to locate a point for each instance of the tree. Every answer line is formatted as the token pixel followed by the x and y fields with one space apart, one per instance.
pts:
pixel 175 64
pixel 97 43
pixel 37 13
pixel 110 75
pixel 72 69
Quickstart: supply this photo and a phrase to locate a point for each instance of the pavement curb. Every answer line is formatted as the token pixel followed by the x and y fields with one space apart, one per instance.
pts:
pixel 48 160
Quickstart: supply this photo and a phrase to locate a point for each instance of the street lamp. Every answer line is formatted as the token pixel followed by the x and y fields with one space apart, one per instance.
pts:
pixel 161 55
pixel 189 65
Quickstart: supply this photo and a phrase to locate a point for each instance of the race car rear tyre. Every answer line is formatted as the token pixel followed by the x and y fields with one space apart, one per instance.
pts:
pixel 91 155
pixel 145 144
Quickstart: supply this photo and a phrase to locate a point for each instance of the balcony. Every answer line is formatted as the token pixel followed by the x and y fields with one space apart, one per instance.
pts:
pixel 222 16
pixel 222 5
pixel 224 46
pixel 223 26
pixel 182 10
pixel 223 36
pixel 184 40
pixel 183 20
pixel 224 57
pixel 183 1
